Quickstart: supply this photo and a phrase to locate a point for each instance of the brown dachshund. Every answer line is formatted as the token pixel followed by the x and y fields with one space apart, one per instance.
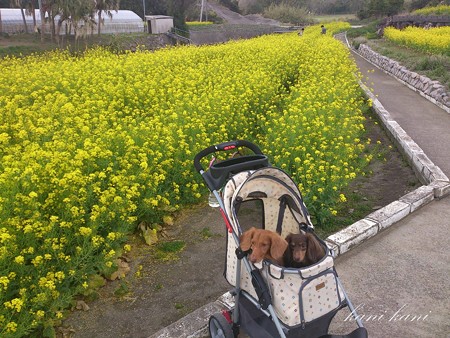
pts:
pixel 303 250
pixel 265 244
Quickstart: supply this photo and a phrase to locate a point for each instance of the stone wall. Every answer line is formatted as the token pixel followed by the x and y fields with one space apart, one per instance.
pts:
pixel 432 90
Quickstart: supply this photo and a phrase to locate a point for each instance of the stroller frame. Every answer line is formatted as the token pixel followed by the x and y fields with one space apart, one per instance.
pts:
pixel 257 314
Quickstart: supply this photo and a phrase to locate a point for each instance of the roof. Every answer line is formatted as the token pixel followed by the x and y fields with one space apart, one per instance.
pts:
pixel 157 17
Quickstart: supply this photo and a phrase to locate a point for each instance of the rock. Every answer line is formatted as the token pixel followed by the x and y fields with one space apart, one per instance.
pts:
pixel 81 305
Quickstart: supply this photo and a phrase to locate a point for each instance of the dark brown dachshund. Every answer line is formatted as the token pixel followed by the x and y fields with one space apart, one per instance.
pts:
pixel 265 244
pixel 303 250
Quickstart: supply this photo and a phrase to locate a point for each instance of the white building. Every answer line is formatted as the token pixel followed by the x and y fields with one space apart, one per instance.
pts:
pixel 158 24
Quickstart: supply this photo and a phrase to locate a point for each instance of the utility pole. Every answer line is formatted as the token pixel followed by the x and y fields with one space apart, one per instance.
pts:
pixel 143 5
pixel 41 14
pixel 201 10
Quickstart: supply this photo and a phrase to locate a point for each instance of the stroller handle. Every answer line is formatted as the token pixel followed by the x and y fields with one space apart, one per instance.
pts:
pixel 224 147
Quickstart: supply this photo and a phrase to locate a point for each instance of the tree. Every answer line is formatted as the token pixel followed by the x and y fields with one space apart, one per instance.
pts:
pixel 30 6
pixel 151 6
pixel 418 4
pixel 106 6
pixel 20 4
pixel 380 8
pixel 74 12
pixel 177 9
pixel 394 7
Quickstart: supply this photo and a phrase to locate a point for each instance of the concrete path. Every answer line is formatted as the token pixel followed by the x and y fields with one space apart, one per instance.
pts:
pixel 399 279
pixel 394 264
pixel 427 124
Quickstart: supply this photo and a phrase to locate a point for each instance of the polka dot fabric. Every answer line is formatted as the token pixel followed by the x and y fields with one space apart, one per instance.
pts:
pixel 298 295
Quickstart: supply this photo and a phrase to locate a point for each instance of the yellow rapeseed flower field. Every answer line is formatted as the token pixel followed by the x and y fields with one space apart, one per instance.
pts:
pixel 435 10
pixel 434 40
pixel 92 145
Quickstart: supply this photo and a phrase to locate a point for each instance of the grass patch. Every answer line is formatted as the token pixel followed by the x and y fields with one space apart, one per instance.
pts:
pixel 122 290
pixel 179 306
pixel 167 251
pixel 26 44
pixel 367 31
pixel 206 233
pixel 435 67
pixel 335 17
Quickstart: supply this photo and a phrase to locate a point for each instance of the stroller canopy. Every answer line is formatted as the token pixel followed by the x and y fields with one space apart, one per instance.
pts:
pixel 283 208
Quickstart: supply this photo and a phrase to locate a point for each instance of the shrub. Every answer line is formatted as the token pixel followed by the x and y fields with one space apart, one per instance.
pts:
pixel 288 14
pixel 358 41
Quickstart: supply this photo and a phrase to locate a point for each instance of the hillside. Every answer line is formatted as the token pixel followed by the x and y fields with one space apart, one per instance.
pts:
pixel 234 18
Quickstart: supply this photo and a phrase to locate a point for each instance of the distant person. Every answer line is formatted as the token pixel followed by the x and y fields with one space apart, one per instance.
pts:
pixel 301 31
pixel 324 30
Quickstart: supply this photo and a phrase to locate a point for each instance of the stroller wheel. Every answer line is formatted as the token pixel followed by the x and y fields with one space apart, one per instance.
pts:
pixel 219 327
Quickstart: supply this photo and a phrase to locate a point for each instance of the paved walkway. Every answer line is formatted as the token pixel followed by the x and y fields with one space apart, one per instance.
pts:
pixel 399 278
pixel 427 124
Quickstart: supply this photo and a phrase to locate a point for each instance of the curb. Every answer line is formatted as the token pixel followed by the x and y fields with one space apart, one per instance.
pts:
pixel 436 185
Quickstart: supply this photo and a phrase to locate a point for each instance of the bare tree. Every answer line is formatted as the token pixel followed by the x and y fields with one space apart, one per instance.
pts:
pixel 30 7
pixel 19 3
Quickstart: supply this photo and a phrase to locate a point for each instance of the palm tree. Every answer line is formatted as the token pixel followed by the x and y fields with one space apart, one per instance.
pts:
pixel 105 5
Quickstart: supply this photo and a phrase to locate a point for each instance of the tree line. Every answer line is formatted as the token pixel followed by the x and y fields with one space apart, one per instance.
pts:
pixel 74 13
pixel 88 13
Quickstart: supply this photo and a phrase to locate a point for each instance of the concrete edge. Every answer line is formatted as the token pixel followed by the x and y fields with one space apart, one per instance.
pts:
pixel 436 185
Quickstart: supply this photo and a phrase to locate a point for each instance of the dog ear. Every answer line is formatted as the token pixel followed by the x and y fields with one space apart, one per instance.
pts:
pixel 315 251
pixel 278 246
pixel 246 239
pixel 288 238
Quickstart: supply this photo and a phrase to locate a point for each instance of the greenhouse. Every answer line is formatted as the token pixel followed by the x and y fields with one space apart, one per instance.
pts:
pixel 122 21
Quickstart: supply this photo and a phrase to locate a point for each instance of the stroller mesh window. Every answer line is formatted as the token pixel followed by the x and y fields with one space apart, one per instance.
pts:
pixel 250 214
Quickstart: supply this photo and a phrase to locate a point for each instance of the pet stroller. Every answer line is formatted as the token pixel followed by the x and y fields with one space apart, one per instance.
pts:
pixel 270 300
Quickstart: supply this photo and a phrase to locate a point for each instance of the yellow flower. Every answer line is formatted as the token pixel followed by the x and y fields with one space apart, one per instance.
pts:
pixel 11 327
pixel 84 231
pixel 19 259
pixel 15 304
